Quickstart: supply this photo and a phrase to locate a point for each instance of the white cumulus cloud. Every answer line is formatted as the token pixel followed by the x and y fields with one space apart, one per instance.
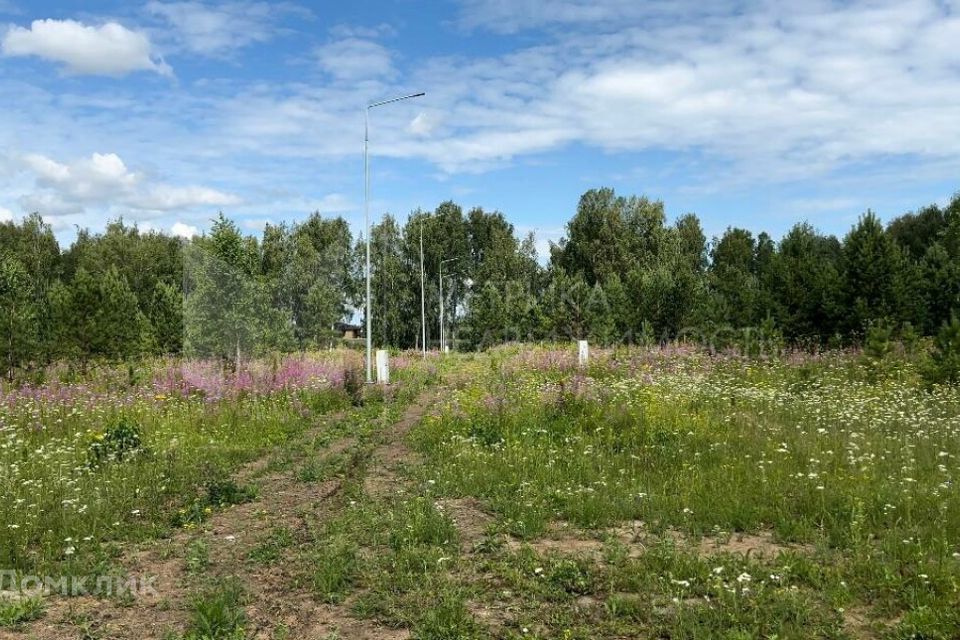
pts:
pixel 167 198
pixel 183 230
pixel 103 180
pixel 108 49
pixel 5 214
pixel 217 29
pixel 93 178
pixel 355 59
pixel 423 124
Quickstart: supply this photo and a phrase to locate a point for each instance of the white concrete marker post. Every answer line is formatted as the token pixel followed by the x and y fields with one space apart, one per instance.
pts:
pixel 583 355
pixel 383 366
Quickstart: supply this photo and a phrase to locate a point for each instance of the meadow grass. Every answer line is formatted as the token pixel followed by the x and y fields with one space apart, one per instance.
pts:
pixel 86 464
pixel 14 613
pixel 855 469
pixel 606 501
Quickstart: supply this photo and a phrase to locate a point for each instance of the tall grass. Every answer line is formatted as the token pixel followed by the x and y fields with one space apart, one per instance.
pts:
pixel 90 462
pixel 814 450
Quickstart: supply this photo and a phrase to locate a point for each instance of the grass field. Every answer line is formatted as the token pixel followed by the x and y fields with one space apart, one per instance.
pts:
pixel 662 493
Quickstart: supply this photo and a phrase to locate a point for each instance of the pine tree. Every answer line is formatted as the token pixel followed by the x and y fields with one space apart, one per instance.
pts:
pixel 322 308
pixel 166 318
pixel 228 312
pixel 940 286
pixel 808 286
pixel 944 366
pixel 602 327
pixel 18 316
pixel 100 317
pixel 486 321
pixel 873 273
pixel 122 330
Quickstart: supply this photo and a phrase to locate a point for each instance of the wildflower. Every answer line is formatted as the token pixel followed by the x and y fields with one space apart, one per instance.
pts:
pixel 744 578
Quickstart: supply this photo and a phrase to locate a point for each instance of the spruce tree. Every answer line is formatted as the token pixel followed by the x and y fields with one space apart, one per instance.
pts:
pixel 18 316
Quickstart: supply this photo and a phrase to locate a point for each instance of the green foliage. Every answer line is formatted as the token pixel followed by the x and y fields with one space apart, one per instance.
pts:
pixel 877 348
pixel 118 442
pixel 446 618
pixel 16 612
pixel 53 493
pixel 940 285
pixel 621 268
pixel 99 317
pixel 914 232
pixel 353 386
pixel 217 613
pixel 309 271
pixel 570 576
pixel 733 277
pixel 337 564
pixel 609 232
pixel 166 318
pixel 198 557
pixel 393 282
pixel 874 272
pixel 944 365
pixel 419 523
pixel 809 285
pixel 487 322
pixel 18 316
pixel 270 550
pixel 708 499
pixel 227 313
pixel 220 493
pixel 224 493
pixel 910 338
pixel 878 344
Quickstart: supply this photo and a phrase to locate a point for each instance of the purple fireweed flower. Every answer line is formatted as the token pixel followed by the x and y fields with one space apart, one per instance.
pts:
pixel 171 379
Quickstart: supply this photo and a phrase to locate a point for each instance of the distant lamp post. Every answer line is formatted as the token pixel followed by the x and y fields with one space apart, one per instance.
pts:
pixel 366 211
pixel 423 298
pixel 443 335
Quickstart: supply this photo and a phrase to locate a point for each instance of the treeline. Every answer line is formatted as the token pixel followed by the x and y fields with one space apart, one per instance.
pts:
pixel 622 273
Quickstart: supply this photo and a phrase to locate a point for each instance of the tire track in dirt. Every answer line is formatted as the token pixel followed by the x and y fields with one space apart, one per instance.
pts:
pixel 230 534
pixel 274 597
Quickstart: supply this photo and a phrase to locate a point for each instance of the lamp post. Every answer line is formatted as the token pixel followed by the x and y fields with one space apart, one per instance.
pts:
pixel 366 211
pixel 423 300
pixel 442 334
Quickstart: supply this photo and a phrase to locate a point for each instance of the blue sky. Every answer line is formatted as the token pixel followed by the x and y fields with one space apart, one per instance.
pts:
pixel 755 114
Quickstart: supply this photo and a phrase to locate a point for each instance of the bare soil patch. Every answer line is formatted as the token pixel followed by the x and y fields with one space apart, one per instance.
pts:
pixel 470 519
pixel 383 475
pixel 274 602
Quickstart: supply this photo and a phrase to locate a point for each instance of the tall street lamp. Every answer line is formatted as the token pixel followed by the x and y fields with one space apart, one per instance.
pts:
pixel 442 334
pixel 423 298
pixel 366 211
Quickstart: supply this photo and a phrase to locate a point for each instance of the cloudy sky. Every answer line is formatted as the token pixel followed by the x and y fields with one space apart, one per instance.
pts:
pixel 755 114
